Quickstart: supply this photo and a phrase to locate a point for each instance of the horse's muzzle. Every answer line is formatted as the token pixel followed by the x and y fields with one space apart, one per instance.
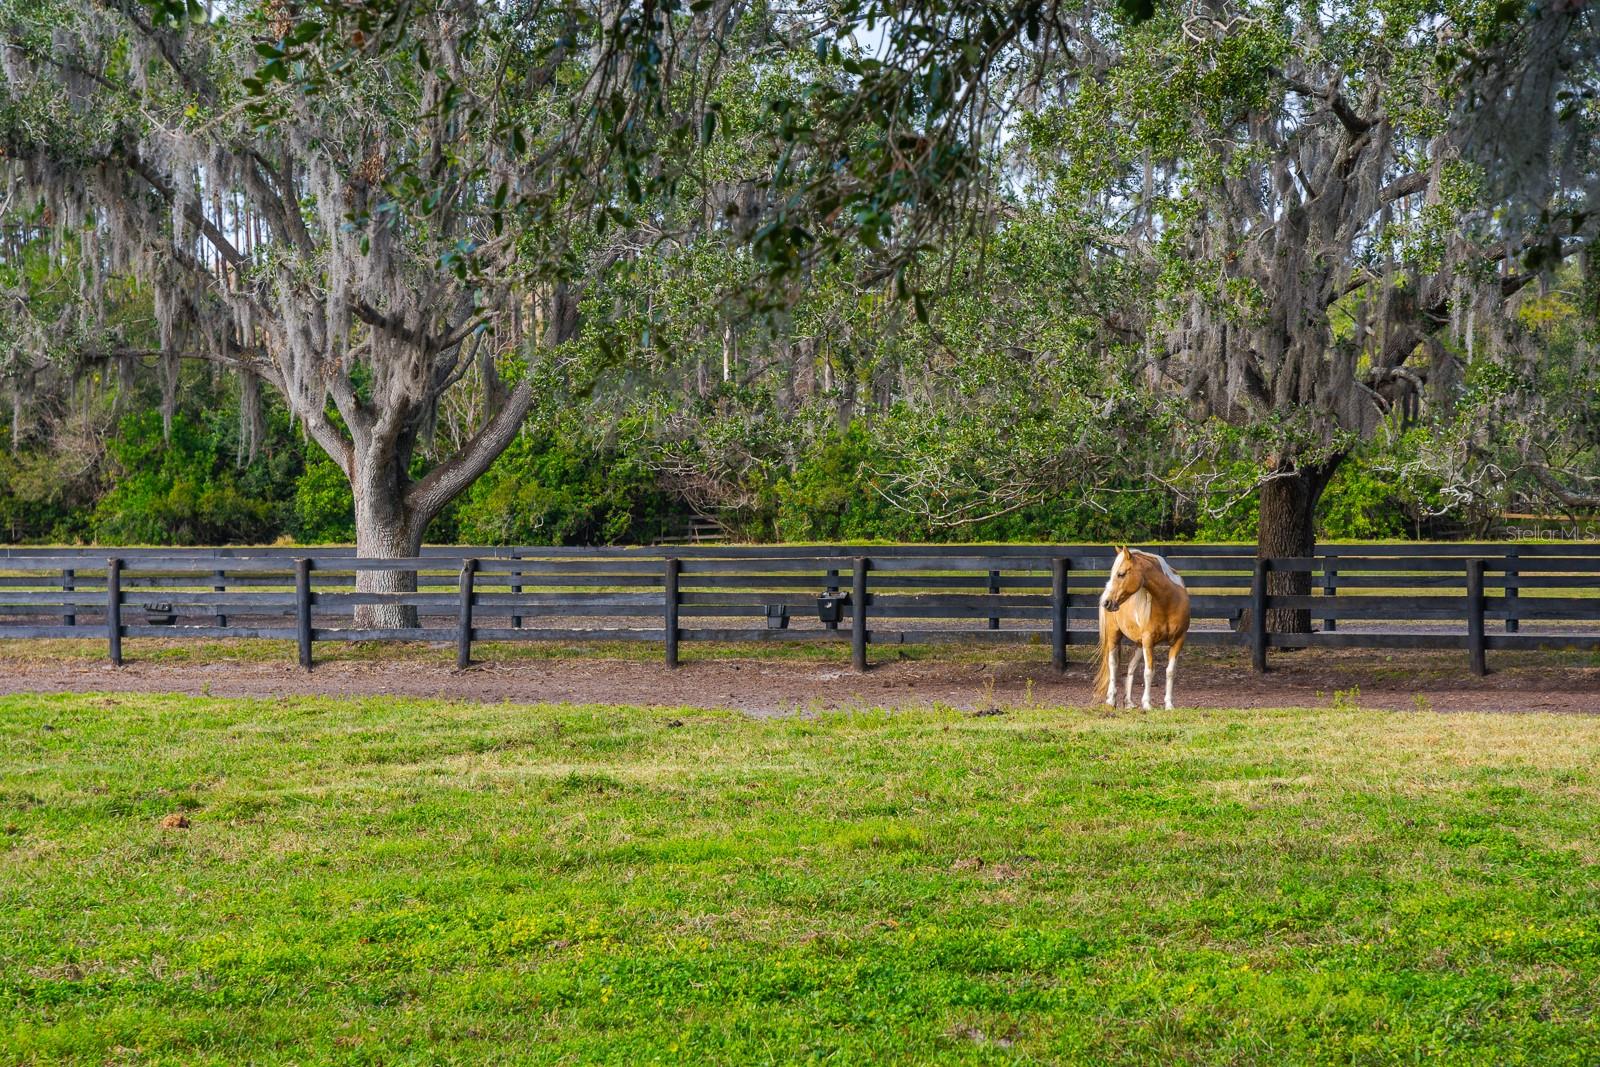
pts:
pixel 1111 605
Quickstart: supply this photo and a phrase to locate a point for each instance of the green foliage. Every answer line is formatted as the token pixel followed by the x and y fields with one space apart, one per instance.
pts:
pixel 45 495
pixel 555 486
pixel 182 489
pixel 324 509
pixel 832 496
pixel 1360 504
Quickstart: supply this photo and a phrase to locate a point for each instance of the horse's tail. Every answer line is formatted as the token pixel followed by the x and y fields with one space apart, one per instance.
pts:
pixel 1108 638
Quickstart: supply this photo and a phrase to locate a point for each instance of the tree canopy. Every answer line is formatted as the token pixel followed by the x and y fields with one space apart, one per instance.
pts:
pixel 977 257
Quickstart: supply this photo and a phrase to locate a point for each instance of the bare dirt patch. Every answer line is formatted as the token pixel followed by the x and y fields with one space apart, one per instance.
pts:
pixel 969 679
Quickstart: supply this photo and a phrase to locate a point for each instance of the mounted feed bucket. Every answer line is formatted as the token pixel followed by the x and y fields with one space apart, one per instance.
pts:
pixel 830 606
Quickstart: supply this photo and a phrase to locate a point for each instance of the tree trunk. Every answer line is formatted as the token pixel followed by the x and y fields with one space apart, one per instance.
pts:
pixel 1288 528
pixel 385 530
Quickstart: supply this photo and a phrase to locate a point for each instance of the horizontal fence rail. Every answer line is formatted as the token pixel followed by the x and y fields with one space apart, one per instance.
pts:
pixel 1473 597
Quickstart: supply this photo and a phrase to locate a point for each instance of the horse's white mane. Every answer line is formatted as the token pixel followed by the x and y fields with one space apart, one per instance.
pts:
pixel 1166 567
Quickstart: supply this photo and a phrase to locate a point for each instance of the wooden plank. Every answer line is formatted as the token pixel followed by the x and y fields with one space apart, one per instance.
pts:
pixel 49 607
pixel 490 633
pixel 1475 647
pixel 982 563
pixel 1392 606
pixel 652 609
pixel 671 600
pixel 429 634
pixel 464 615
pixel 302 598
pixel 114 611
pixel 1058 614
pixel 1541 581
pixel 514 579
pixel 817 565
pixel 535 567
pixel 1568 565
pixel 1258 616
pixel 710 582
pixel 902 580
pixel 953 637
pixel 1383 565
pixel 187 567
pixel 1350 639
pixel 858 613
pixel 650 601
pixel 705 633
pixel 965 603
pixel 1546 609
pixel 1523 642
pixel 182 632
pixel 1390 580
pixel 514 583
pixel 1509 571
pixel 135 598
pixel 901 612
pixel 26 633
pixel 440 602
pixel 959 601
pixel 1003 609
pixel 1330 587
pixel 1580 549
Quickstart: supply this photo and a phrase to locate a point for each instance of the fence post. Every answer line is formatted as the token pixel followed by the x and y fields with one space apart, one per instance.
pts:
pixel 1058 613
pixel 70 618
pixel 858 614
pixel 832 589
pixel 994 589
pixel 516 590
pixel 219 579
pixel 1258 615
pixel 670 608
pixel 469 568
pixel 1330 587
pixel 114 610
pixel 1510 592
pixel 302 610
pixel 1475 644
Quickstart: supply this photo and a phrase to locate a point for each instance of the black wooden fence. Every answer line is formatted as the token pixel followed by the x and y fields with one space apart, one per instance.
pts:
pixel 1474 597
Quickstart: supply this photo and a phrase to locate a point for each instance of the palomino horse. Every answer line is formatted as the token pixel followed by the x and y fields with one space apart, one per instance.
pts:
pixel 1146 602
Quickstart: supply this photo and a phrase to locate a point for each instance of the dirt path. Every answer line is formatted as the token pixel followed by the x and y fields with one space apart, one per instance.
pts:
pixel 764 687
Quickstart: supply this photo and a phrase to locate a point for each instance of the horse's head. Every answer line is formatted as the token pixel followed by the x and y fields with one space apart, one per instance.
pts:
pixel 1127 578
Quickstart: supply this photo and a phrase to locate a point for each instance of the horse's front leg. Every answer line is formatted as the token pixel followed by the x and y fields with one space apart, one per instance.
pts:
pixel 1172 667
pixel 1111 672
pixel 1133 665
pixel 1149 650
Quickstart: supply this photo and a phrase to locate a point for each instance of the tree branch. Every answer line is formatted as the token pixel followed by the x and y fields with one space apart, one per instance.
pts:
pixel 1330 96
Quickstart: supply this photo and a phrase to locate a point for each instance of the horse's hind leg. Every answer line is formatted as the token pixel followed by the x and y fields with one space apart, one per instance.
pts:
pixel 1149 670
pixel 1133 665
pixel 1172 667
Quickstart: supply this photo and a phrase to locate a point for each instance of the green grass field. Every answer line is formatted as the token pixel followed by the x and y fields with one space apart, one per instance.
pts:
pixel 393 881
